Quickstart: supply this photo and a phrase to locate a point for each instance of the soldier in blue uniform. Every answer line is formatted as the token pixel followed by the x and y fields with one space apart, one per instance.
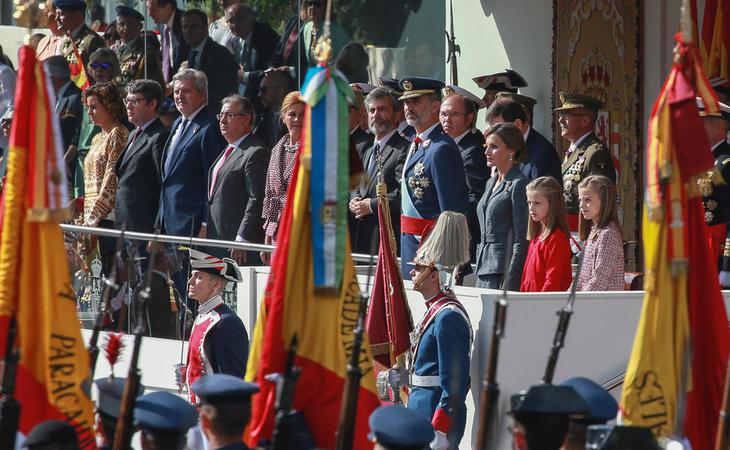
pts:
pixel 225 409
pixel 438 369
pixel 603 407
pixel 393 427
pixel 163 419
pixel 218 341
pixel 52 434
pixel 433 176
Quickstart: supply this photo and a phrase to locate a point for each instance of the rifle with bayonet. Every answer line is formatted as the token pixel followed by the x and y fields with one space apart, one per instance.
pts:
pixel 124 430
pixel 453 48
pixel 490 387
pixel 110 285
pixel 346 426
pixel 564 315
pixel 9 405
pixel 283 437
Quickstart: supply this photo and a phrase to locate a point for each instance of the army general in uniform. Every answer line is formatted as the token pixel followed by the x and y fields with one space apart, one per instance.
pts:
pixel 586 155
pixel 130 49
pixel 70 16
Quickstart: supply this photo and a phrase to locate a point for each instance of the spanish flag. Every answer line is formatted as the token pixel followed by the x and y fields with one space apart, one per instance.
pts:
pixel 674 379
pixel 78 71
pixel 35 287
pixel 294 302
pixel 715 42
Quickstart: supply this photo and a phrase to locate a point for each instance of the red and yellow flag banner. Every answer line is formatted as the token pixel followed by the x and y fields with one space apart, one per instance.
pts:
pixel 35 285
pixel 715 42
pixel 674 379
pixel 322 319
pixel 78 71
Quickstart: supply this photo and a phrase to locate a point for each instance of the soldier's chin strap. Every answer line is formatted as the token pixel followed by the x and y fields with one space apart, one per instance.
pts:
pixel 421 278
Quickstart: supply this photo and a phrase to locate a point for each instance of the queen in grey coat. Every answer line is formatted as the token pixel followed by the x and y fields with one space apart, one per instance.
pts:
pixel 502 211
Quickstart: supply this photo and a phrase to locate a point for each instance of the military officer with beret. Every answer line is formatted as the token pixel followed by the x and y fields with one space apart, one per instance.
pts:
pixel 224 403
pixel 433 176
pixel 507 81
pixel 393 427
pixel 542 415
pixel 108 403
pixel 163 419
pixel 715 187
pixel 52 434
pixel 602 408
pixel 130 48
pixel 587 155
pixel 218 341
pixel 70 15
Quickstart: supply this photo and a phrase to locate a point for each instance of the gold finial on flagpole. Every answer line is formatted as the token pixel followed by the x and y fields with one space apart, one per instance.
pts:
pixel 323 50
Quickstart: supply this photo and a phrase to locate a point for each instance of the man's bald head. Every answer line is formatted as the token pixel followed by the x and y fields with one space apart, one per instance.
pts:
pixel 240 18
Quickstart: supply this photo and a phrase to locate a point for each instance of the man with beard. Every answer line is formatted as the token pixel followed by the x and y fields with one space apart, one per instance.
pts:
pixel 433 177
pixel 383 160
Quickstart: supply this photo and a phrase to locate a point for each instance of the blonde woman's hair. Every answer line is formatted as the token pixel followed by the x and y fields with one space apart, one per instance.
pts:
pixel 553 192
pixel 606 190
pixel 291 99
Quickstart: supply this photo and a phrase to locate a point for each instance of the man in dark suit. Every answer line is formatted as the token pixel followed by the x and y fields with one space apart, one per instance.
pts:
pixel 360 138
pixel 68 105
pixel 383 161
pixel 174 48
pixel 542 159
pixel 273 89
pixel 209 57
pixel 457 116
pixel 236 182
pixel 253 44
pixel 138 168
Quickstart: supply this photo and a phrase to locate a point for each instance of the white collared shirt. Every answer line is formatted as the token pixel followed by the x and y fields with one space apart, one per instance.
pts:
pixel 146 124
pixel 210 304
pixel 384 140
pixel 427 132
pixel 527 133
pixel 195 113
pixel 574 145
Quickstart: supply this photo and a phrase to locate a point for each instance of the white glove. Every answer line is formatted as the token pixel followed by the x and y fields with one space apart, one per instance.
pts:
pixel 440 441
pixel 180 375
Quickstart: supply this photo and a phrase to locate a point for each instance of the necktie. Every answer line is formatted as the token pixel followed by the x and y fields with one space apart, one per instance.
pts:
pixel 217 168
pixel 166 53
pixel 290 43
pixel 373 163
pixel 193 60
pixel 173 145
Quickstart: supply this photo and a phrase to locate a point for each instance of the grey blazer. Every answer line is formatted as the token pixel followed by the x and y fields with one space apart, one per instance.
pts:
pixel 500 212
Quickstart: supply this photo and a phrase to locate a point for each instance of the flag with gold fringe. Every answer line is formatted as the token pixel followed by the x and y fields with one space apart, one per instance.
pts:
pixel 305 295
pixel 675 375
pixel 35 286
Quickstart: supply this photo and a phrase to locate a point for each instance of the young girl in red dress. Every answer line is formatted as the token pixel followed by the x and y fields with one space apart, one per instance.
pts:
pixel 547 267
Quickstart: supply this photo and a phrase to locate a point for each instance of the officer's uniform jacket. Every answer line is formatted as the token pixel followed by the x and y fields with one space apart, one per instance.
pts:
pixel 218 343
pixel 433 181
pixel 439 369
pixel 715 190
pixel 87 42
pixel 132 60
pixel 590 157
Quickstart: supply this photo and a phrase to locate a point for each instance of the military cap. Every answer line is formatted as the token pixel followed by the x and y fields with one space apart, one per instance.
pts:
pixel 164 411
pixel 52 432
pixel 724 111
pixel 413 87
pixel 222 267
pixel 222 386
pixel 549 399
pixel 57 67
pixel 603 406
pixel 70 5
pixel 397 427
pixel 509 80
pixel 453 89
pixel 390 83
pixel 126 11
pixel 602 437
pixel 572 100
pixel 523 100
pixel 365 88
pixel 109 393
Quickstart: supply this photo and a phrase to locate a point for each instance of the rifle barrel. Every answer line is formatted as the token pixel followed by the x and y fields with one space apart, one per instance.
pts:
pixel 490 387
pixel 722 438
pixel 9 405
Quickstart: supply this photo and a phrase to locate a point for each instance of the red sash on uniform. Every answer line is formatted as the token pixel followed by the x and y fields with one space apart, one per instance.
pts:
pixel 416 225
pixel 716 239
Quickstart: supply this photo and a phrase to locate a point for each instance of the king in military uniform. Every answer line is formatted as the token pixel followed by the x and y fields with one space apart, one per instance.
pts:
pixel 715 187
pixel 79 38
pixel 130 49
pixel 586 155
pixel 433 176
pixel 438 368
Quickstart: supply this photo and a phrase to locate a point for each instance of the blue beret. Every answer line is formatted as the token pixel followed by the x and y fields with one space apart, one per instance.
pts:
pixel 70 5
pixel 396 427
pixel 51 432
pixel 603 437
pixel 603 407
pixel 413 87
pixel 109 394
pixel 549 399
pixel 126 11
pixel 223 386
pixel 165 412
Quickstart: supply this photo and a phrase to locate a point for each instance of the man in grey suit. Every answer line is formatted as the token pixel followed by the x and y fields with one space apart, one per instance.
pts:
pixel 383 160
pixel 236 181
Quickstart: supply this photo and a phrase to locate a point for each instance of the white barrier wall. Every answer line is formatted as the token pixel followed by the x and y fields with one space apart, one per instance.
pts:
pixel 597 346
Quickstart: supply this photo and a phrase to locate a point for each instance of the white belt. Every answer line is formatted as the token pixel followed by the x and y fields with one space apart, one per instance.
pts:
pixel 425 381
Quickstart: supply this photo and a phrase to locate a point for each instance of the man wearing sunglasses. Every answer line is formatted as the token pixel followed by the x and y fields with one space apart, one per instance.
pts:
pixel 79 38
pixel 587 155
